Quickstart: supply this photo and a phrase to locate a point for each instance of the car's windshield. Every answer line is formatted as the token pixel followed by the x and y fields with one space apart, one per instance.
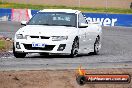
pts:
pixel 54 19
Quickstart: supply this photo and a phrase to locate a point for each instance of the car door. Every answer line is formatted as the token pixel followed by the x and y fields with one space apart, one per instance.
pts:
pixel 90 37
pixel 82 33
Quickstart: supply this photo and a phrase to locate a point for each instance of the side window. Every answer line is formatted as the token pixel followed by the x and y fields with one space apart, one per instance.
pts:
pixel 81 19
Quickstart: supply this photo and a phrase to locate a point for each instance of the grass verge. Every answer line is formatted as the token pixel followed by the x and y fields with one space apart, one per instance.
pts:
pixel 5 45
pixel 2 44
pixel 83 9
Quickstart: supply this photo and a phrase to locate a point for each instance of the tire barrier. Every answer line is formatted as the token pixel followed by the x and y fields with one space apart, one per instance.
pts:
pixel 19 15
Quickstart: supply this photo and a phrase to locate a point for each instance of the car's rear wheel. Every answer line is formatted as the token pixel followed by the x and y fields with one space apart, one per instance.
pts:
pixel 75 47
pixel 17 54
pixel 97 45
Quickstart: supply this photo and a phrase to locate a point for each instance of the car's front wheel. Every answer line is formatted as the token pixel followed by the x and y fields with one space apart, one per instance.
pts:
pixel 17 54
pixel 75 47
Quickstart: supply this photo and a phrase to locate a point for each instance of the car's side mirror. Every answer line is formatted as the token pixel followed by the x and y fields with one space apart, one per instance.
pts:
pixel 83 25
pixel 24 23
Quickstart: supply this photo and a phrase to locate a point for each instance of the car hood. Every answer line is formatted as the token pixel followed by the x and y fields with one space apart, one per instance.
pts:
pixel 46 30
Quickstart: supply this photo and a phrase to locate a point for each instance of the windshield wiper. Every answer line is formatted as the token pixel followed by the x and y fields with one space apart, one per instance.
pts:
pixel 43 24
pixel 57 25
pixel 50 24
pixel 68 25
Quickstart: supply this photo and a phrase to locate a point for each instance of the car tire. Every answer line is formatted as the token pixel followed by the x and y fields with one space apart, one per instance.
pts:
pixel 75 47
pixel 96 46
pixel 18 55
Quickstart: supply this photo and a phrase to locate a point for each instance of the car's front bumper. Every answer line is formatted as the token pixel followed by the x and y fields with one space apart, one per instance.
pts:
pixel 50 46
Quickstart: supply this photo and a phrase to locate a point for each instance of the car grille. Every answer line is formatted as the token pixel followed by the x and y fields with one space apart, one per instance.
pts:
pixel 47 47
pixel 42 37
pixel 34 36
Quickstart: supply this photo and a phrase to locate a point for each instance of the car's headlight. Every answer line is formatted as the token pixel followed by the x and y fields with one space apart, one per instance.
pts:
pixel 59 38
pixel 21 36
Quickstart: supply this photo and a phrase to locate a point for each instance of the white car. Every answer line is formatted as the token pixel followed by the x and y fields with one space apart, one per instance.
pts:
pixel 57 31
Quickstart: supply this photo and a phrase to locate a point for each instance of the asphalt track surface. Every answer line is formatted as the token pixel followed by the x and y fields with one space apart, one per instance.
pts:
pixel 116 52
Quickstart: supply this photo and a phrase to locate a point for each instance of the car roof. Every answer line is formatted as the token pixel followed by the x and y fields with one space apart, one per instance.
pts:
pixel 60 10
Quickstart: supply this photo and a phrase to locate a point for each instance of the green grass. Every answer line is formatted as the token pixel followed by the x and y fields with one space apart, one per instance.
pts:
pixel 83 9
pixel 2 44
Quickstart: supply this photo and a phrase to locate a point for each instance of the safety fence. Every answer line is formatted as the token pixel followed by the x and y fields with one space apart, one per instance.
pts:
pixel 105 19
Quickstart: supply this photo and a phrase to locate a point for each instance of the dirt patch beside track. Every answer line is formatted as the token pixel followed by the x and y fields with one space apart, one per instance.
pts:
pixel 55 79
